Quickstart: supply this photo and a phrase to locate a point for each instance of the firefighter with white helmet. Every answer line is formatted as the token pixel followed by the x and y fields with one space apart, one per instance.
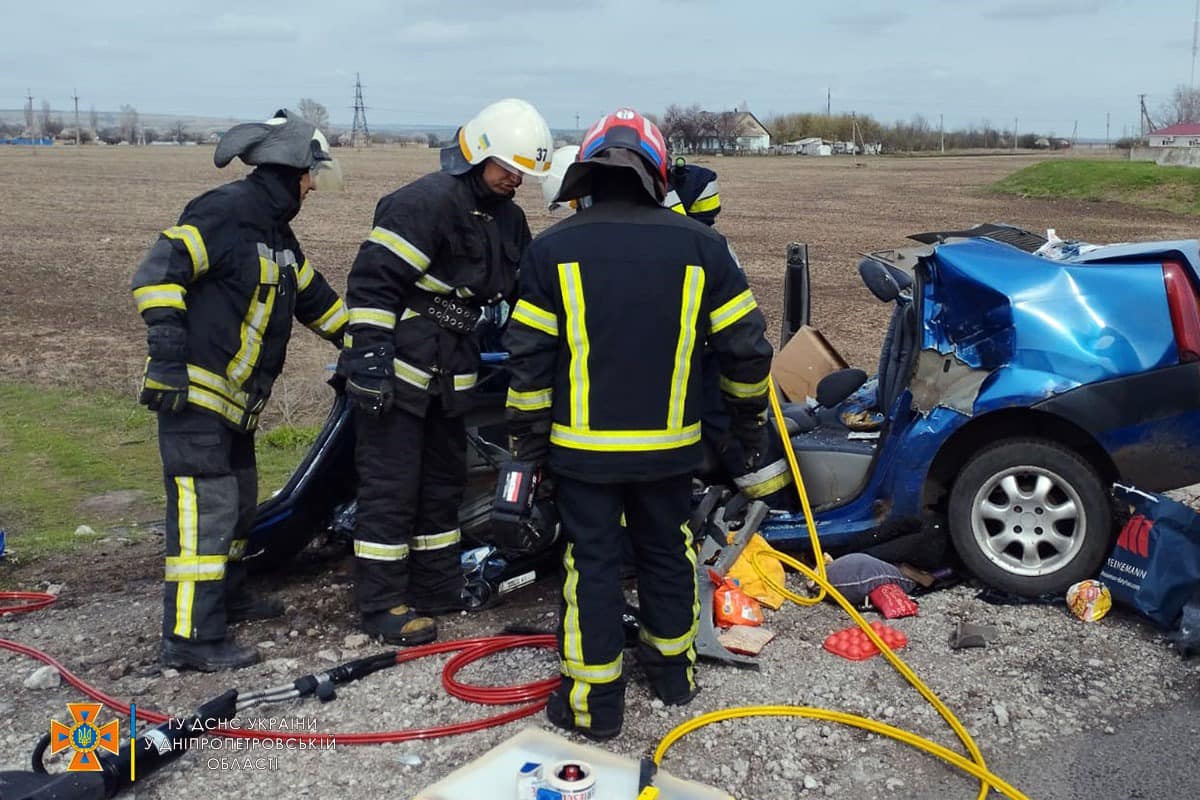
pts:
pixel 218 291
pixel 442 248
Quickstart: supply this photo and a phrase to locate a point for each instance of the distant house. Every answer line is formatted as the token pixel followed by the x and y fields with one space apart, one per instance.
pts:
pixel 748 135
pixel 1185 134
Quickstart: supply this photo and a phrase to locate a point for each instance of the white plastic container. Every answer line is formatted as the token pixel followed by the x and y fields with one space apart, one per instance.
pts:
pixel 616 776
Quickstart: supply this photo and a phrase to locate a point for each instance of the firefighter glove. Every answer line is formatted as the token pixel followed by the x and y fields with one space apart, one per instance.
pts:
pixel 750 431
pixel 369 373
pixel 165 382
pixel 529 441
pixel 165 386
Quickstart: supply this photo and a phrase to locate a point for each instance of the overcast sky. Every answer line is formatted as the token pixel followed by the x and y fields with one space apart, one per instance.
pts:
pixel 1047 63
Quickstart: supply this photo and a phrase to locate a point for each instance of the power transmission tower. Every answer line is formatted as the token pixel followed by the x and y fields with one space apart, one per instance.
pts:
pixel 359 133
pixel 75 97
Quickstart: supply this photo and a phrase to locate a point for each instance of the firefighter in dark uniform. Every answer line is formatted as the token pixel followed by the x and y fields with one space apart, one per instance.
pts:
pixel 615 306
pixel 441 248
pixel 694 191
pixel 218 291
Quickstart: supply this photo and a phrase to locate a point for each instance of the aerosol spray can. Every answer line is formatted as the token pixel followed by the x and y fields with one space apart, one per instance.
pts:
pixel 568 780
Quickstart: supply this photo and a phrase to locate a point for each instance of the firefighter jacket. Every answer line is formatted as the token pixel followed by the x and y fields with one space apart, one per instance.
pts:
pixel 441 248
pixel 232 275
pixel 615 307
pixel 694 191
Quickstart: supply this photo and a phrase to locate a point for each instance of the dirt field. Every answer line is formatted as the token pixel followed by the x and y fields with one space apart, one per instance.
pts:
pixel 75 223
pixel 1061 709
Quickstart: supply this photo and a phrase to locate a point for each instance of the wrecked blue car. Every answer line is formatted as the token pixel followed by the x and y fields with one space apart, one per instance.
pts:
pixel 1018 379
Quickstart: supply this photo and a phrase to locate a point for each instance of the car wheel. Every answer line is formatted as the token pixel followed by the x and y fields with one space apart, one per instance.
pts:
pixel 1030 516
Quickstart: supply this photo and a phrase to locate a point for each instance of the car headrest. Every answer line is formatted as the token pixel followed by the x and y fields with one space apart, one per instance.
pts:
pixel 837 386
pixel 885 281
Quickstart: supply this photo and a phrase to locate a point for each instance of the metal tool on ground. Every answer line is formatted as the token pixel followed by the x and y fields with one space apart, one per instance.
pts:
pixel 726 530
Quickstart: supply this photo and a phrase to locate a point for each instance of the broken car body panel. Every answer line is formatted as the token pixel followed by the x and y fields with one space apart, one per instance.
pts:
pixel 1087 339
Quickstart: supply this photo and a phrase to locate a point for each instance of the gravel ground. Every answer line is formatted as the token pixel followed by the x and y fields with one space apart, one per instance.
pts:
pixel 1051 686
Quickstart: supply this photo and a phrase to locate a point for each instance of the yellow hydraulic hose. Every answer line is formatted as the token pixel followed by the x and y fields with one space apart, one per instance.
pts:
pixel 974 766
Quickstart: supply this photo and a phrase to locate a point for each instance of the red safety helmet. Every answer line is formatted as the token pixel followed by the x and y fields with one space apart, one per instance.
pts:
pixel 628 131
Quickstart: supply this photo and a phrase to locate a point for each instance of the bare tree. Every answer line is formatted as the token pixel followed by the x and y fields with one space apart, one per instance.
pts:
pixel 684 125
pixel 315 113
pixel 1184 106
pixel 706 127
pixel 728 127
pixel 128 124
pixel 179 132
pixel 44 118
pixel 94 121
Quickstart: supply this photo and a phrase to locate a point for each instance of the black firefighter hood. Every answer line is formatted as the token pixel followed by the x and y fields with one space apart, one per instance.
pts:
pixel 285 140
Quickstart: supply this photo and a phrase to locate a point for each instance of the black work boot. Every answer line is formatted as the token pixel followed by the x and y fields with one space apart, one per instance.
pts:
pixel 211 656
pixel 400 625
pixel 247 607
pixel 558 711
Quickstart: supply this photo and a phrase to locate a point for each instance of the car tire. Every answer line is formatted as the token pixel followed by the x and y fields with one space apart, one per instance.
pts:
pixel 1029 516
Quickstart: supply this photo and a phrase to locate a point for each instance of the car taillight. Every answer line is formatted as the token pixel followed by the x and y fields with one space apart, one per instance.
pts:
pixel 1185 310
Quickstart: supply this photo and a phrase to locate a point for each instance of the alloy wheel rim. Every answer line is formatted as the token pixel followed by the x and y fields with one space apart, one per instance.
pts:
pixel 1029 521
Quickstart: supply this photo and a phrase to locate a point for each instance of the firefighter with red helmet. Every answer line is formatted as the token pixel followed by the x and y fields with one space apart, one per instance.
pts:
pixel 615 305
pixel 440 249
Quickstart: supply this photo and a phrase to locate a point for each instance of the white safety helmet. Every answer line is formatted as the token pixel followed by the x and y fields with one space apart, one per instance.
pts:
pixel 511 131
pixel 563 158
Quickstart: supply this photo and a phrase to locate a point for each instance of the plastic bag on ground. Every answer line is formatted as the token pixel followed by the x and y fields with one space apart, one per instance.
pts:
pixel 748 578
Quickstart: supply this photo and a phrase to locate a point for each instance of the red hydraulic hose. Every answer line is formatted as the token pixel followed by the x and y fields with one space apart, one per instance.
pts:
pixel 534 694
pixel 32 601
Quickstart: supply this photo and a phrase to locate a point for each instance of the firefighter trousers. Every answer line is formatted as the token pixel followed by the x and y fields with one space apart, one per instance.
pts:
pixel 211 480
pixel 412 472
pixel 591 632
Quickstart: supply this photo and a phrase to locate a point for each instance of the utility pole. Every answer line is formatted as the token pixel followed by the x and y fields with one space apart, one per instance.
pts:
pixel 942 132
pixel 828 101
pixel 1143 116
pixel 1107 122
pixel 359 132
pixel 32 117
pixel 1195 43
pixel 75 97
pixel 576 120
pixel 1015 121
pixel 1074 134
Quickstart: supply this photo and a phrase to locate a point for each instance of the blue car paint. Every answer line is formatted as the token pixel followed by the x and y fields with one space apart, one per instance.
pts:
pixel 1039 328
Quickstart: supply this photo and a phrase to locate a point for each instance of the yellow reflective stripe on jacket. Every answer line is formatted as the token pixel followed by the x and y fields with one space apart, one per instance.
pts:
pixel 673 202
pixel 377 317
pixel 159 295
pixel 731 312
pixel 400 247
pixel 304 275
pixel 571 286
pixel 332 320
pixel 375 551
pixel 537 318
pixel 194 568
pixel 194 242
pixel 217 383
pixel 624 441
pixel 187 517
pixel 766 480
pixel 743 391
pixel 465 380
pixel 689 311
pixel 437 541
pixel 408 313
pixel 254 324
pixel 705 204
pixel 529 401
pixel 411 375
pixel 592 673
pixel 432 284
pixel 219 405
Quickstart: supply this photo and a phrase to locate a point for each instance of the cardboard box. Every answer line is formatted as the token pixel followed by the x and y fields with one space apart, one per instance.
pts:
pixel 803 362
